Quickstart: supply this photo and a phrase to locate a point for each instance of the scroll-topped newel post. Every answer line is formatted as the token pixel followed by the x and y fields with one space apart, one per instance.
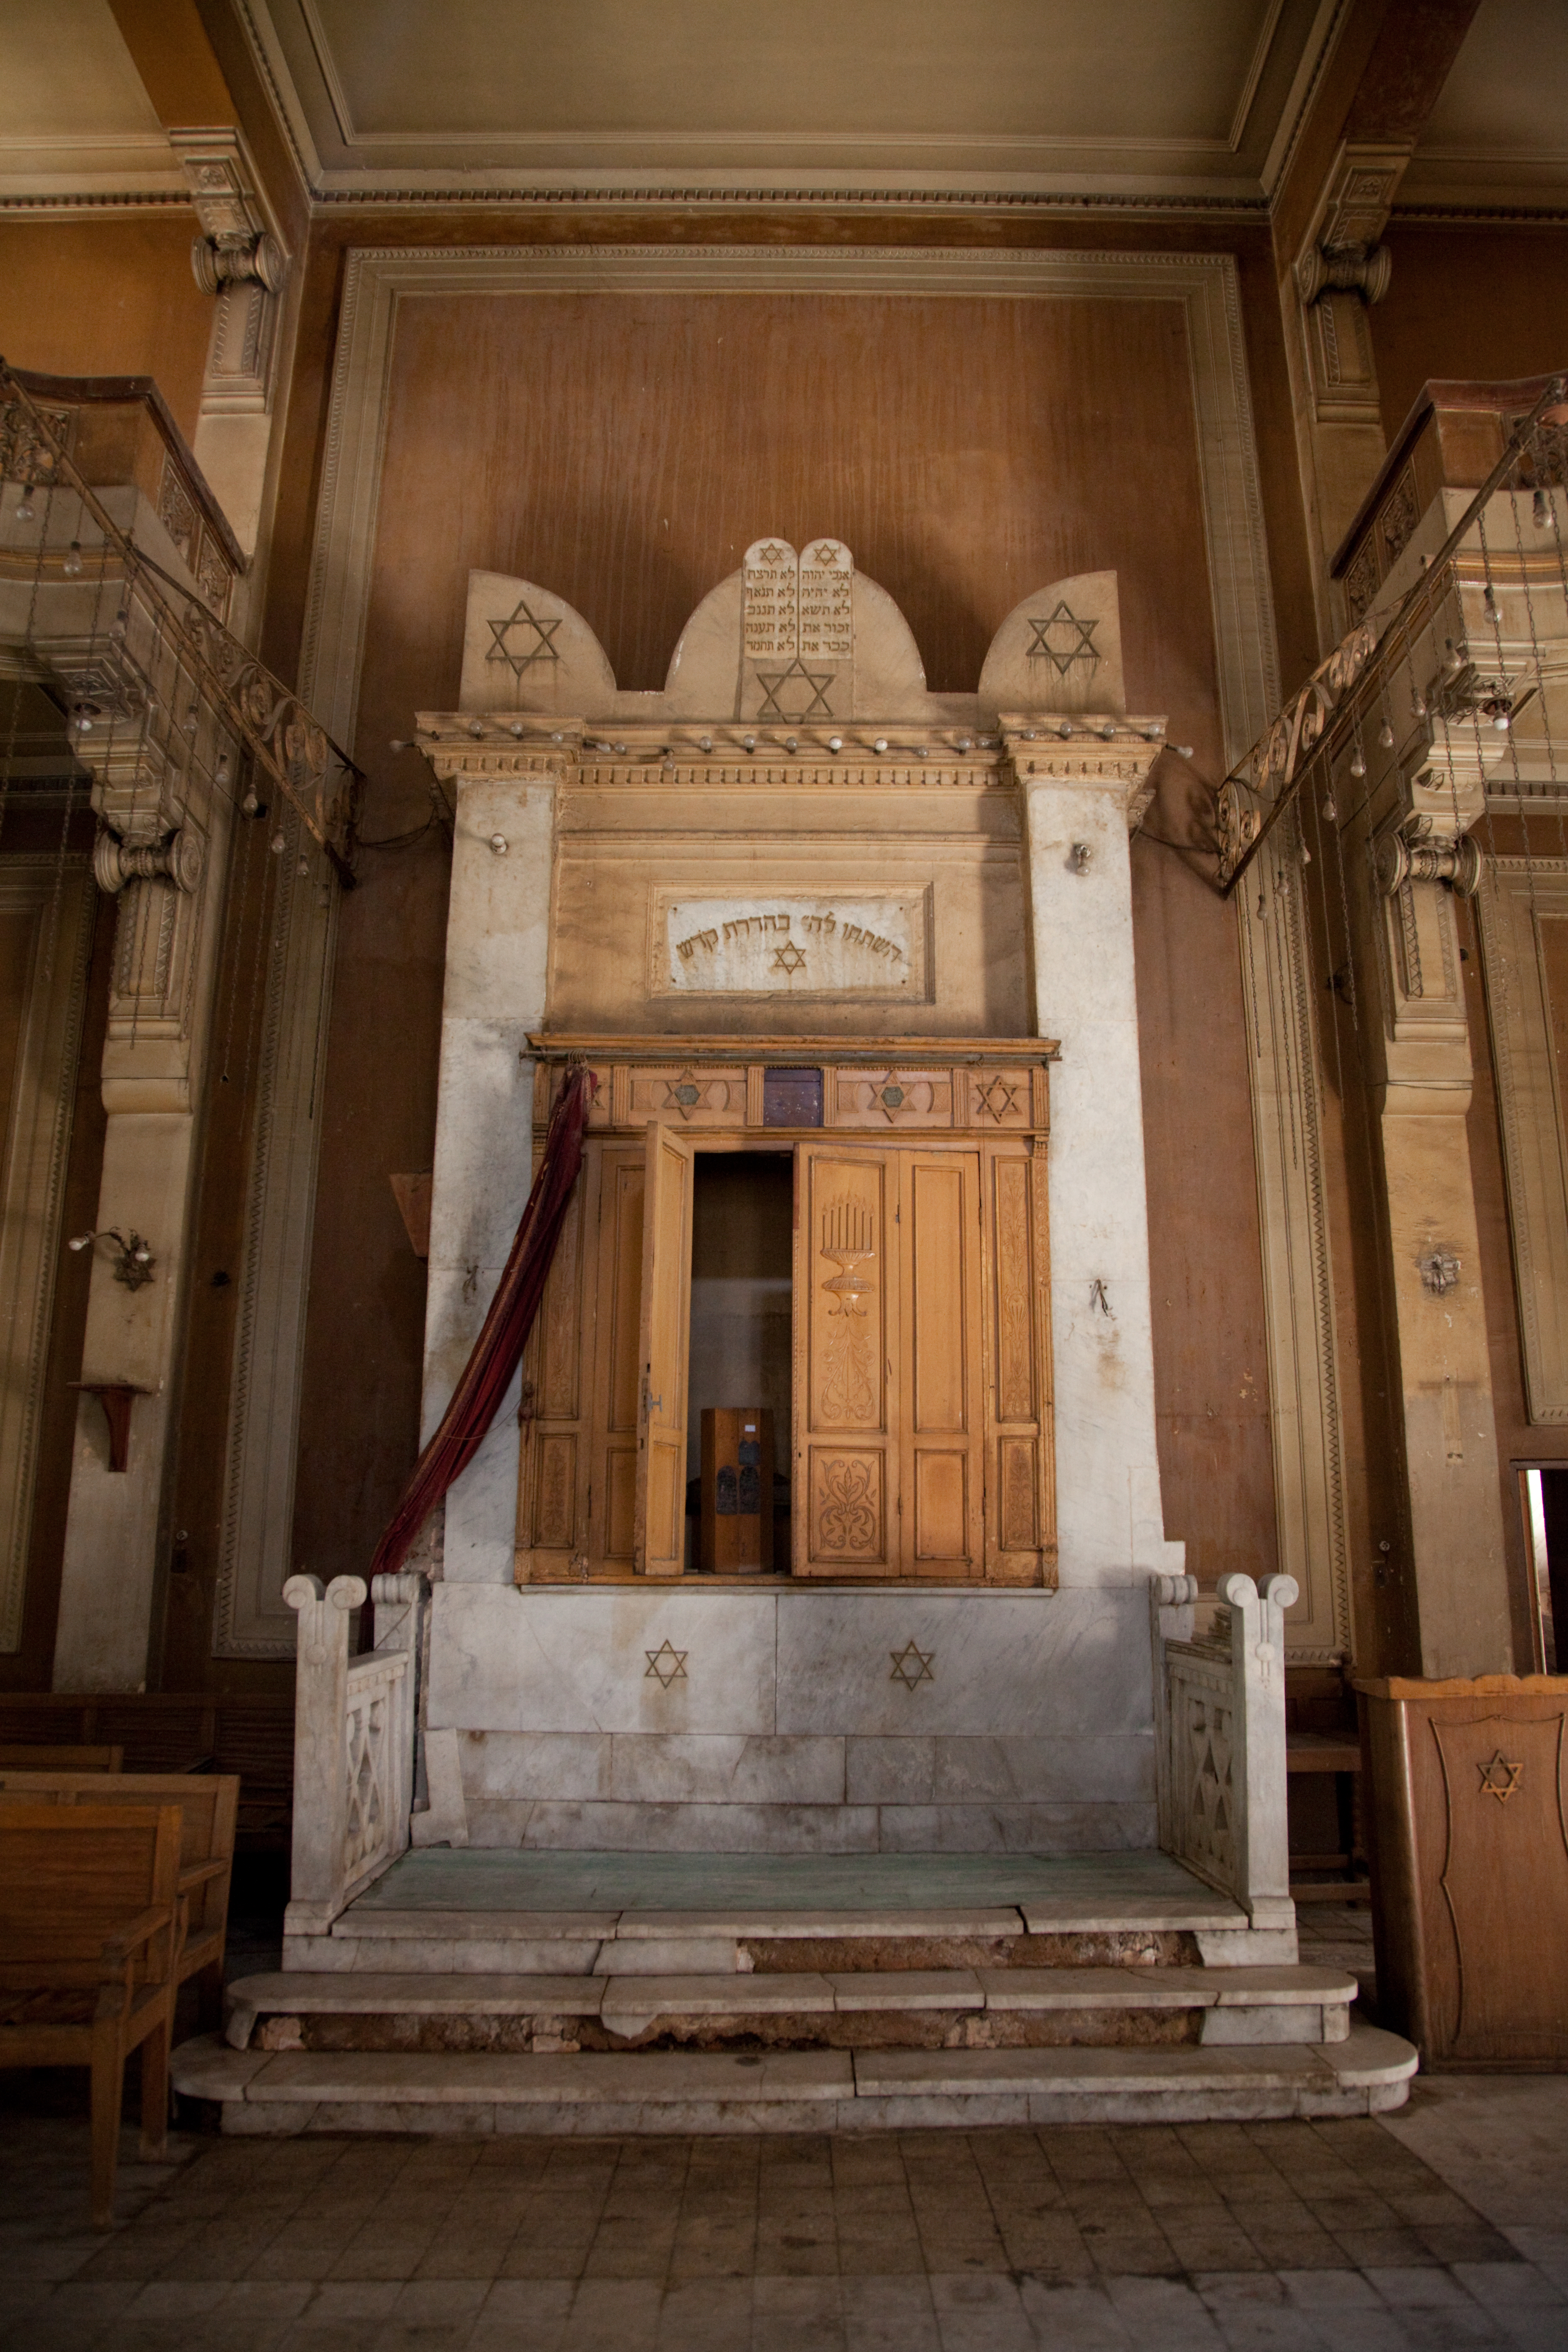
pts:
pixel 1219 1733
pixel 321 1783
pixel 353 1742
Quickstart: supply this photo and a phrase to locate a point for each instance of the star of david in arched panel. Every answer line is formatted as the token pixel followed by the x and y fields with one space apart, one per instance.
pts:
pixel 1061 638
pixel 794 692
pixel 522 639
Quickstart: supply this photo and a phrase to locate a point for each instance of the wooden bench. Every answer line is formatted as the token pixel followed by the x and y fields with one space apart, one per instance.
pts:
pixel 209 1808
pixel 91 1922
pixel 20 1756
pixel 173 1731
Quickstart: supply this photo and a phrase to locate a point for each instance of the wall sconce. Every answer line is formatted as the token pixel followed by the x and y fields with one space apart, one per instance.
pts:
pixel 133 1260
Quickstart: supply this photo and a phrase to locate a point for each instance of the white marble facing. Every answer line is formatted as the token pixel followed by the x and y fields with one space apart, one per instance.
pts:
pixel 787 1731
pixel 497 948
pixel 1110 1522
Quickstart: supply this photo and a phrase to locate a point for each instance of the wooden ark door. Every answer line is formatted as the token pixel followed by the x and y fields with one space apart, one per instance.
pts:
pixel 666 1330
pixel 846 1477
pixel 940 1431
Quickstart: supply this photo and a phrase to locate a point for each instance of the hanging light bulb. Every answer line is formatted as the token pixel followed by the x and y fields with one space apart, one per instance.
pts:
pixel 278 845
pixel 1385 736
pixel 71 567
pixel 221 772
pixel 25 509
pixel 1452 659
pixel 1490 600
pixel 1358 765
pixel 250 805
pixel 1329 812
pixel 119 626
pixel 1418 705
pixel 1540 512
pixel 1306 854
pixel 1501 722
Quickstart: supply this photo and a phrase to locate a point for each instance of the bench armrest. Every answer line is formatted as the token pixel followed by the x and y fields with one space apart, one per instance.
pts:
pixel 118 1948
pixel 197 1874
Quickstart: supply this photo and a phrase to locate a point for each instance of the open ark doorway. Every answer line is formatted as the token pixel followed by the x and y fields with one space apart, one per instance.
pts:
pixel 740 1352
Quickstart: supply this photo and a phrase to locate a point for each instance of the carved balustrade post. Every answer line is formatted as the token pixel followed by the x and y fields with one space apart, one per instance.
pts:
pixel 317 1881
pixel 1255 1632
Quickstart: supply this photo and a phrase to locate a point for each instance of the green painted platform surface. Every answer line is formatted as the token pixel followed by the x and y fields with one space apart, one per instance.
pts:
pixel 444 1879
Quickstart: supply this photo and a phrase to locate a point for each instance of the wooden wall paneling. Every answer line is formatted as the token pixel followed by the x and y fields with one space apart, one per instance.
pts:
pixel 664 1351
pixel 941 1419
pixel 846 1364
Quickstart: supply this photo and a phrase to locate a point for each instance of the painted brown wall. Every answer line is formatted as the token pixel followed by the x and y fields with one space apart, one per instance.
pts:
pixel 108 298
pixel 624 452
pixel 1477 303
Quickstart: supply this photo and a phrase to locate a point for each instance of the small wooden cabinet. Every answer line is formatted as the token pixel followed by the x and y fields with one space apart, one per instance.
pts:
pixel 920 1436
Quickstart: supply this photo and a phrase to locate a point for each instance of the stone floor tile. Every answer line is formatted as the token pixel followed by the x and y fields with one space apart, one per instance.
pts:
pixel 1423 2289
pixel 611 2315
pixel 796 2314
pixel 1547 2248
pixel 522 2315
pixel 981 2314
pixel 708 2315
pixel 888 2313
pixel 1074 2318
pixel 169 2298
pixel 714 2245
pixel 1329 2290
pixel 1164 2312
pixel 353 2299
pixel 1507 2286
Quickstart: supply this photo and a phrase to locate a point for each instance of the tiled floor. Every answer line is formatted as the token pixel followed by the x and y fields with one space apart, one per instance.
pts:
pixel 1444 2226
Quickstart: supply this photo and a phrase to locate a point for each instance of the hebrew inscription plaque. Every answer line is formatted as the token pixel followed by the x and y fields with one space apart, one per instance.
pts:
pixel 793 947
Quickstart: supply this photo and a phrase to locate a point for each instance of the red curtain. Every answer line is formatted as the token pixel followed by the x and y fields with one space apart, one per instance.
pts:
pixel 497 1351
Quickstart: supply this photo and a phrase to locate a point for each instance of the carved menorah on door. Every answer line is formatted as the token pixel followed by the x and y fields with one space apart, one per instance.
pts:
pixel 849 1239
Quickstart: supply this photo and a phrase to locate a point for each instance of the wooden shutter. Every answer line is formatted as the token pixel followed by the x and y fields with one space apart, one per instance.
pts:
pixel 616 1222
pixel 942 1438
pixel 551 1517
pixel 665 1330
pixel 846 1314
pixel 1020 1531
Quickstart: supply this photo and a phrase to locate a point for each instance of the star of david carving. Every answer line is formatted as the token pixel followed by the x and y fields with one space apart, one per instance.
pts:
pixel 1500 1778
pixel 540 648
pixel 997 1099
pixel 788 958
pixel 685 1093
pixel 913 1666
pixel 1062 639
pixel 665 1665
pixel 773 553
pixel 826 553
pixel 806 690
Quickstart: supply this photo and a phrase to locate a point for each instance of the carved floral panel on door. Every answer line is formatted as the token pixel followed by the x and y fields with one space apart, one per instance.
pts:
pixel 845 1306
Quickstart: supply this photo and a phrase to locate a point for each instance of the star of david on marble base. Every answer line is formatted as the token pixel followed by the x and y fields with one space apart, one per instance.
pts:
pixel 1062 639
pixel 665 1665
pixel 521 656
pixel 805 692
pixel 913 1666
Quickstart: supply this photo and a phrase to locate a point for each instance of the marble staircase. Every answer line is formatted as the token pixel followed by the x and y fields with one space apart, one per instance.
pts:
pixel 1114 1987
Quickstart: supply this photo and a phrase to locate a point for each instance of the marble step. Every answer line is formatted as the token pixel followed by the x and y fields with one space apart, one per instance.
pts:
pixel 857 2008
pixel 280 2095
pixel 1193 1929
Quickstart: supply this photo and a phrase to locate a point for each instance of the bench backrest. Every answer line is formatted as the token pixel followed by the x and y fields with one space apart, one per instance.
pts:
pixel 71 1875
pixel 208 1802
pixel 28 1755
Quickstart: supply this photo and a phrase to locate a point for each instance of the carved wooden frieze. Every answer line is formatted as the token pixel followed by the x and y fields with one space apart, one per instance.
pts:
pixel 949 1086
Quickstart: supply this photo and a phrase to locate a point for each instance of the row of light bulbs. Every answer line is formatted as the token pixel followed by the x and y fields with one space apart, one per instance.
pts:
pixel 1064 728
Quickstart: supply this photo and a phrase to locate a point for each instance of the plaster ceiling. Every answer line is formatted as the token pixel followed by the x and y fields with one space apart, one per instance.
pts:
pixel 1498 132
pixel 73 110
pixel 1160 97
